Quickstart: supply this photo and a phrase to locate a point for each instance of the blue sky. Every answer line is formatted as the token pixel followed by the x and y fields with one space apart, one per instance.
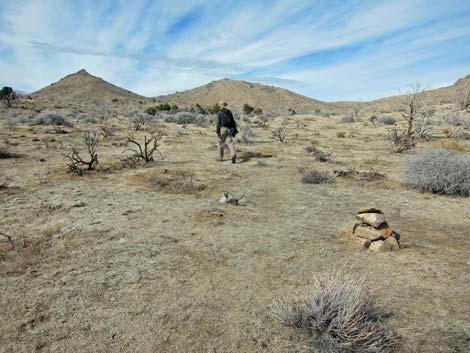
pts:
pixel 328 50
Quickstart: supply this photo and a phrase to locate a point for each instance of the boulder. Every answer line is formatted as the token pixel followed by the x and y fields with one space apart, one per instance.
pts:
pixel 379 245
pixel 367 232
pixel 373 219
pixel 392 243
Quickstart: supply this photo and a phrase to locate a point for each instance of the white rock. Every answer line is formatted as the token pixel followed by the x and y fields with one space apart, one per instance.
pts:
pixel 379 245
pixel 367 232
pixel 393 243
pixel 373 219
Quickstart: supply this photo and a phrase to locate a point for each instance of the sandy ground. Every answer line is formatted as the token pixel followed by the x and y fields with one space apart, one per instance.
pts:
pixel 113 262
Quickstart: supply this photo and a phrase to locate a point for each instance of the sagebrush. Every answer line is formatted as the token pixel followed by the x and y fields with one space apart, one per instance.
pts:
pixel 440 171
pixel 340 315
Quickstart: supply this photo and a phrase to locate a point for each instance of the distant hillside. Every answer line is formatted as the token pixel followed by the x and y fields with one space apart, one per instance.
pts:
pixel 83 87
pixel 443 95
pixel 237 93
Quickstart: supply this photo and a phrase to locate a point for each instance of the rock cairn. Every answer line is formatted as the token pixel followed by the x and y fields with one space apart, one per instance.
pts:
pixel 371 231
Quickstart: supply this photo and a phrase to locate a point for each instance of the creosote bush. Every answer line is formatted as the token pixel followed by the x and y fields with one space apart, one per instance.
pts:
pixel 347 119
pixel 340 315
pixel 439 171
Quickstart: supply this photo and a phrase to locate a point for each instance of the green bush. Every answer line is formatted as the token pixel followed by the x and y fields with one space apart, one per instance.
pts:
pixel 247 109
pixel 258 111
pixel 174 108
pixel 214 109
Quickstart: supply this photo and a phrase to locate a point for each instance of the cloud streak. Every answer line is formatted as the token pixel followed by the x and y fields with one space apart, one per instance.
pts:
pixel 335 50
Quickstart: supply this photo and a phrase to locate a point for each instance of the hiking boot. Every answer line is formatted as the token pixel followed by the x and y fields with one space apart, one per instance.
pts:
pixel 234 160
pixel 219 159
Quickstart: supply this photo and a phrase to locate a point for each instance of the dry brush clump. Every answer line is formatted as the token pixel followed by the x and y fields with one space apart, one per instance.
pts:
pixel 5 153
pixel 48 117
pixel 340 315
pixel 280 134
pixel 439 171
pixel 315 176
pixel 75 163
pixel 143 149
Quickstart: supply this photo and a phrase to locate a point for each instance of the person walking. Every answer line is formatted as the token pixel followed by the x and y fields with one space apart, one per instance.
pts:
pixel 226 129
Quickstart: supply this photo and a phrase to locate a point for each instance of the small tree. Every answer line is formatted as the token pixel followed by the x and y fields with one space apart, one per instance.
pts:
pixel 405 139
pixel 174 108
pixel 144 150
pixel 75 162
pixel 7 95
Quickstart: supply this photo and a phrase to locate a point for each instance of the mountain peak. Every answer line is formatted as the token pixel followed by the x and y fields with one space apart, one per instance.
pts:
pixel 83 86
pixel 463 80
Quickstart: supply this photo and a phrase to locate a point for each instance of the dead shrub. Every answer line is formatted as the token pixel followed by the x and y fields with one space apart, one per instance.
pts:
pixel 145 149
pixel 75 162
pixel 340 315
pixel 279 134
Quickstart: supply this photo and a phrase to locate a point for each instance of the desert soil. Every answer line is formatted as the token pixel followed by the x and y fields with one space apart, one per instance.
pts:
pixel 115 261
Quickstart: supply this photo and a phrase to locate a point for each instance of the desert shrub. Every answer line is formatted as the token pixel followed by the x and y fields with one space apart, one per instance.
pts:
pixel 340 315
pixel 247 109
pixel 143 149
pixel 246 135
pixel 318 154
pixel 279 134
pixel 158 108
pixel 258 111
pixel 214 109
pixel 315 176
pixel 347 119
pixel 387 120
pixel 341 134
pixel 75 162
pixel 181 118
pixel 201 120
pixel 151 110
pixel 399 140
pixel 48 117
pixel 5 153
pixel 456 119
pixel 87 118
pixel 439 171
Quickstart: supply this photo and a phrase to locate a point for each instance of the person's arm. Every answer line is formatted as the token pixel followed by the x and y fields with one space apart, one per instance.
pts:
pixel 217 125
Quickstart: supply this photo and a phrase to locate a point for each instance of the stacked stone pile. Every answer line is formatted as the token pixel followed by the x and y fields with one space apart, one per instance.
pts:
pixel 372 231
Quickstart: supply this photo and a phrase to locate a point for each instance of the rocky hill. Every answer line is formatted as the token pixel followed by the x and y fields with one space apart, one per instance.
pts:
pixel 237 93
pixel 84 87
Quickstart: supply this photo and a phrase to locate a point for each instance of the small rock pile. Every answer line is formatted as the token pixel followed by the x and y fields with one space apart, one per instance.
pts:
pixel 372 231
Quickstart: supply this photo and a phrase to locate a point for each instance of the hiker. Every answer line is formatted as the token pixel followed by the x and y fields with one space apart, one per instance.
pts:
pixel 226 129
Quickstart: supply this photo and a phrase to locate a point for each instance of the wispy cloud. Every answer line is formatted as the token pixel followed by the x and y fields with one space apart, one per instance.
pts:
pixel 333 50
